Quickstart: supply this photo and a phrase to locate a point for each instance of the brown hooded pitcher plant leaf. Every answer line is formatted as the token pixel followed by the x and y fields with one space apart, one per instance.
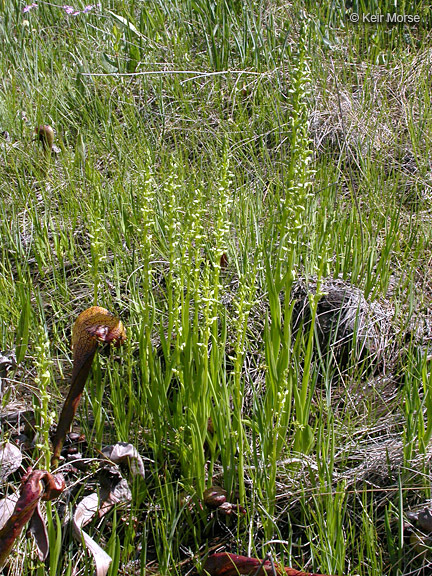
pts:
pixel 45 135
pixel 36 485
pixel 216 498
pixel 92 326
pixel 225 564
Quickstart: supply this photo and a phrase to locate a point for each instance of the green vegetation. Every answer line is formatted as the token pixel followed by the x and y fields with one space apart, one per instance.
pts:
pixel 211 155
